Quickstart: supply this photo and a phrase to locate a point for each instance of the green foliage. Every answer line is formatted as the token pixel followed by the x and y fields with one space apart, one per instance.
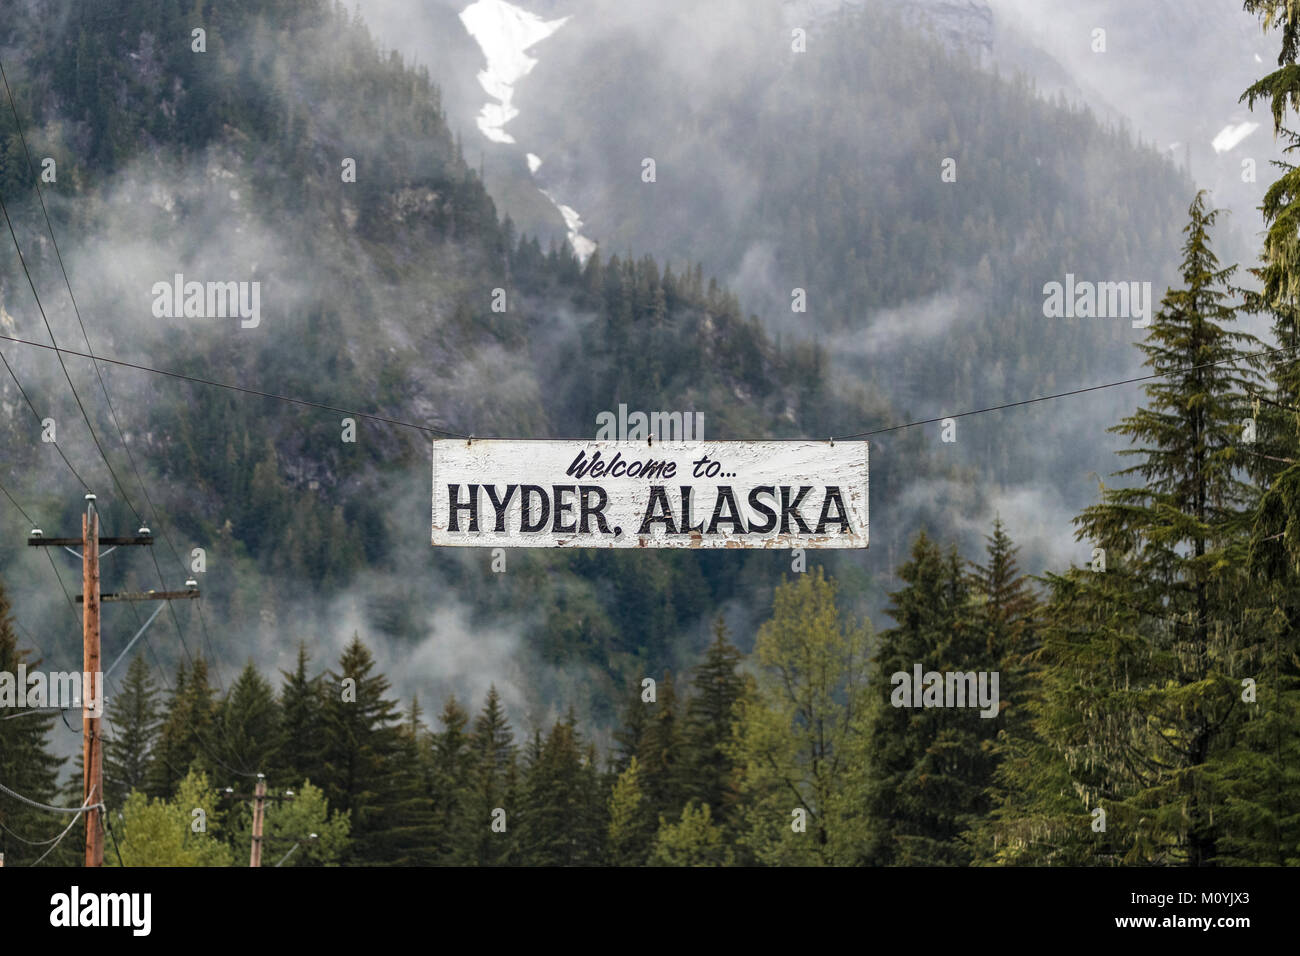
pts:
pixel 27 764
pixel 797 742
pixel 929 768
pixel 695 840
pixel 168 831
pixel 132 719
pixel 1141 696
pixel 321 836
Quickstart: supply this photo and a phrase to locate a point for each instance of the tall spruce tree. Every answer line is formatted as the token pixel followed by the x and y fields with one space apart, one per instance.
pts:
pixel 661 773
pixel 928 766
pixel 452 771
pixel 187 725
pixel 361 764
pixel 493 781
pixel 1143 689
pixel 563 817
pixel 132 720
pixel 300 708
pixel 249 728
pixel 710 714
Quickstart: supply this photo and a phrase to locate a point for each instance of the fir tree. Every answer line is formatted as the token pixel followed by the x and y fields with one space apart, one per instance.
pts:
pixel 1142 692
pixel 562 822
pixel 452 768
pixel 928 767
pixel 300 709
pixel 493 780
pixel 710 713
pixel 132 720
pixel 250 727
pixel 361 771
pixel 186 727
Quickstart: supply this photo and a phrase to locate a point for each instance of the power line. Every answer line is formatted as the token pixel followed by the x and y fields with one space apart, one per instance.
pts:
pixel 1075 391
pixel 450 434
pixel 84 807
pixel 59 352
pixel 238 388
pixel 29 842
pixel 28 517
pixel 44 806
pixel 53 567
pixel 36 182
pixel 23 391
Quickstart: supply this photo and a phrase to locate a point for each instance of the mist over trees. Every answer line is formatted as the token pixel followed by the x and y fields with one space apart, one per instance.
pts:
pixel 1148 710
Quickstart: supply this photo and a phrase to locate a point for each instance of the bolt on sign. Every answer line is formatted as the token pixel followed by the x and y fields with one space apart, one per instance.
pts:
pixel 619 494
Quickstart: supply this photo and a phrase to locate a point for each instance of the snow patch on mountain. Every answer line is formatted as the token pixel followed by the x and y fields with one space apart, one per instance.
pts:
pixel 505 33
pixel 1231 135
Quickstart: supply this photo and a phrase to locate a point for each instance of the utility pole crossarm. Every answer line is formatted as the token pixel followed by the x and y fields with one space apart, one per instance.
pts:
pixel 40 541
pixel 188 594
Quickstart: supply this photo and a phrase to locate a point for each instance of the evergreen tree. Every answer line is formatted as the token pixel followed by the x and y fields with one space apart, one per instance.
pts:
pixel 452 768
pixel 250 726
pixel 132 721
pixel 26 764
pixel 562 822
pixel 928 766
pixel 185 730
pixel 631 822
pixel 493 780
pixel 1142 692
pixel 1005 612
pixel 710 713
pixel 361 771
pixel 300 708
pixel 661 773
pixel 1264 822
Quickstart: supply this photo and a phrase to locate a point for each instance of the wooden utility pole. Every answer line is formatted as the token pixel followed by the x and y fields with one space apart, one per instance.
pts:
pixel 260 799
pixel 259 815
pixel 92 747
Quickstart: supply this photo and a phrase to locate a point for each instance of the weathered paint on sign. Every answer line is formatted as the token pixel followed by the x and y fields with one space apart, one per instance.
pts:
pixel 610 494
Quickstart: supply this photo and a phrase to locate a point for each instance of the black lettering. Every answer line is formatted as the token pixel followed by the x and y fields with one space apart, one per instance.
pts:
pixel 833 494
pixel 579 466
pixel 588 510
pixel 660 496
pixel 453 502
pixel 500 506
pixel 725 495
pixel 558 492
pixel 762 509
pixel 789 508
pixel 525 525
pixel 686 513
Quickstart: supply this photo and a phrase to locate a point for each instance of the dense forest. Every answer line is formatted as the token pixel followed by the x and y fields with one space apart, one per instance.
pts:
pixel 1149 697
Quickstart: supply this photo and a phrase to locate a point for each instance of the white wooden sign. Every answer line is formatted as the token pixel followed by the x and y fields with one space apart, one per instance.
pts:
pixel 611 494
